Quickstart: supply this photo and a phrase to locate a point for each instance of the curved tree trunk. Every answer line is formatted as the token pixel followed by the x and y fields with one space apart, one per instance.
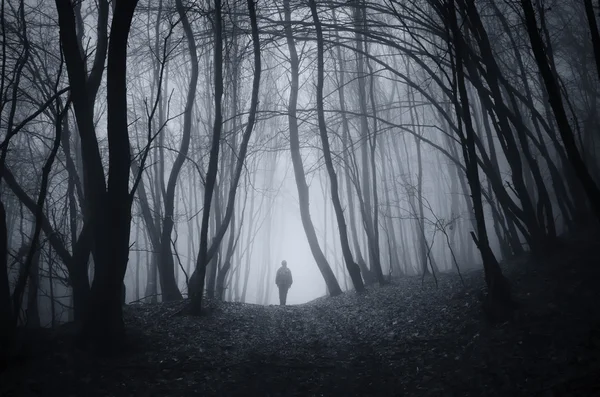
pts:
pixel 374 236
pixel 303 192
pixel 498 288
pixel 205 254
pixel 30 269
pixel 104 321
pixel 352 267
pixel 364 188
pixel 366 274
pixel 196 288
pixel 216 221
pixel 110 209
pixel 166 262
pixel 555 99
pixel 562 198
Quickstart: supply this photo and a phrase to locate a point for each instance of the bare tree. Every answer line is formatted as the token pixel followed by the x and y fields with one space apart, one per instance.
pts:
pixel 555 98
pixel 205 254
pixel 499 292
pixel 352 267
pixel 109 201
pixel 303 192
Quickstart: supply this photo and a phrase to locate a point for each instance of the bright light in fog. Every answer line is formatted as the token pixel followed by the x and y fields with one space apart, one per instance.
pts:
pixel 308 283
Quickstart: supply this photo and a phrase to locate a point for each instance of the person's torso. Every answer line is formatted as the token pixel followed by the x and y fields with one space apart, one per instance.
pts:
pixel 284 274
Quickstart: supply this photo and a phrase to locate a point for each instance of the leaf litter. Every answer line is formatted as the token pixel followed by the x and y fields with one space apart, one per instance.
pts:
pixel 405 338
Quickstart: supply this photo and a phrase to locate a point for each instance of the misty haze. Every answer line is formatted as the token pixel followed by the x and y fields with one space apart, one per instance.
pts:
pixel 299 198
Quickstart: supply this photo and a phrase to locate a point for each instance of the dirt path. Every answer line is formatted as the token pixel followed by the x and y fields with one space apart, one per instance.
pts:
pixel 405 339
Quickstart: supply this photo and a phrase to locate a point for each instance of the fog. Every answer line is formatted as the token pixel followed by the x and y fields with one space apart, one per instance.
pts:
pixel 253 108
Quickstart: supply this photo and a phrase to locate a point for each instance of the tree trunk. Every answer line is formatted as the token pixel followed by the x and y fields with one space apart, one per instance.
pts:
pixel 393 247
pixel 223 270
pixel 196 288
pixel 249 244
pixel 103 325
pixel 365 189
pixel 366 274
pixel 507 141
pixel 352 267
pixel 374 238
pixel 303 191
pixel 33 312
pixel 503 238
pixel 498 288
pixel 555 99
pixel 170 291
pixel 213 263
pixel 563 200
pixel 205 254
pixel 152 234
pixel 6 328
pixel 31 265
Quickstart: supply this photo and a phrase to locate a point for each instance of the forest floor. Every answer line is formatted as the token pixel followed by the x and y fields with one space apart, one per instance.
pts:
pixel 403 339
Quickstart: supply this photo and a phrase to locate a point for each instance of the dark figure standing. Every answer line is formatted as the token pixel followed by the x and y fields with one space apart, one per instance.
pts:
pixel 284 281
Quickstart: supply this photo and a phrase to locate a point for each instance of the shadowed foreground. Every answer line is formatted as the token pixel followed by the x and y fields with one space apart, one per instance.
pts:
pixel 402 339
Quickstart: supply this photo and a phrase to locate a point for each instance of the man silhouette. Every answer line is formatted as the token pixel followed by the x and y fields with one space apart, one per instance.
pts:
pixel 284 281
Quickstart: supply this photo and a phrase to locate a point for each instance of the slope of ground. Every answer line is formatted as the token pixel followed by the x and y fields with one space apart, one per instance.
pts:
pixel 406 338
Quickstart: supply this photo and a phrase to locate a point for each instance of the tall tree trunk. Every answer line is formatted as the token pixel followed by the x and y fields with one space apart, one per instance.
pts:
pixel 536 226
pixel 505 133
pixel 7 313
pixel 563 200
pixel 365 187
pixel 170 291
pixel 33 287
pixel 352 267
pixel 503 238
pixel 110 209
pixel 206 254
pixel 498 287
pixel 303 191
pixel 346 146
pixel 152 234
pixel 223 270
pixel 6 329
pixel 234 79
pixel 390 225
pixel 374 214
pixel 555 99
pixel 31 264
pixel 217 219
pixel 138 262
pixel 249 243
pixel 197 279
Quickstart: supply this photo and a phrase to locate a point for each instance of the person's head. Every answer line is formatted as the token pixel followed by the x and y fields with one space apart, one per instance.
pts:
pixel 284 263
